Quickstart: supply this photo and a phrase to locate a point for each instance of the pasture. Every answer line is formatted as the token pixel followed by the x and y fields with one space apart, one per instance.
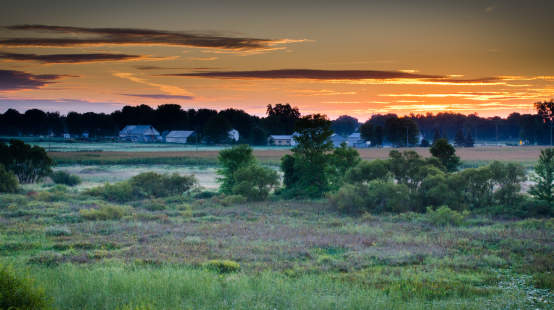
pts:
pixel 89 253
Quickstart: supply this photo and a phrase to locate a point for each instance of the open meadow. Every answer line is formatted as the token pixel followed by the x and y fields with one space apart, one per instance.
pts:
pixel 203 250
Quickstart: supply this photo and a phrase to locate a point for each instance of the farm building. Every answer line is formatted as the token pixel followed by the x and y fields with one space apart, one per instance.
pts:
pixel 233 135
pixel 139 133
pixel 282 140
pixel 337 140
pixel 178 136
pixel 355 140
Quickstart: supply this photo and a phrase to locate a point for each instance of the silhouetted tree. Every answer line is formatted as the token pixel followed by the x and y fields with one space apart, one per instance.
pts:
pixel 344 125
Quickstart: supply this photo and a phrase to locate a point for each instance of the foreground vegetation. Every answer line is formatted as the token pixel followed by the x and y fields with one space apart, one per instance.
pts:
pixel 405 232
pixel 292 255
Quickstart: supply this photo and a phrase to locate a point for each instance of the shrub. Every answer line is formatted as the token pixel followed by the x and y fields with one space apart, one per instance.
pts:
pixel 118 192
pixel 375 197
pixel 62 177
pixel 145 185
pixel 444 216
pixel 8 181
pixel 233 199
pixel 29 164
pixel 104 212
pixel 18 292
pixel 155 205
pixel 254 182
pixel 446 154
pixel 222 266
pixel 152 184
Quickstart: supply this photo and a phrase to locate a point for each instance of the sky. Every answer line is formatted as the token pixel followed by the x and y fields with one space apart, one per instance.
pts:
pixel 334 57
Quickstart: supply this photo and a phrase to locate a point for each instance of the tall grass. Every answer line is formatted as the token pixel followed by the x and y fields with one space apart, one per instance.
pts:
pixel 120 286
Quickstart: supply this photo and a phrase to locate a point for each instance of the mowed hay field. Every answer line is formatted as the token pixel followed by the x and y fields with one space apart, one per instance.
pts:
pixel 526 155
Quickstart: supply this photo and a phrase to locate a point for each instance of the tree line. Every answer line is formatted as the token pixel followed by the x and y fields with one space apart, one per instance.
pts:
pixel 281 119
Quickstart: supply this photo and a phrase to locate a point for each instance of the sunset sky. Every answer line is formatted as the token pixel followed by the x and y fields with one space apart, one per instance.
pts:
pixel 334 57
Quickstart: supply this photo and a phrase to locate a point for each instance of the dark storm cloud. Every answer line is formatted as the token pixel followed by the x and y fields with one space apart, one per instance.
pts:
pixel 68 58
pixel 308 74
pixel 125 36
pixel 18 80
pixel 160 96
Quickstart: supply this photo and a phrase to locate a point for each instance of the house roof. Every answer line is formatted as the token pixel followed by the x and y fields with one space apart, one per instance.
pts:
pixel 139 130
pixel 280 137
pixel 179 134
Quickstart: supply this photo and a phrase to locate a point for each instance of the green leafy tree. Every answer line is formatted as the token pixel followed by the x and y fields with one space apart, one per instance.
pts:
pixel 29 164
pixel 401 131
pixel 217 130
pixel 342 159
pixel 544 170
pixel 344 125
pixel 231 160
pixel 459 139
pixel 307 171
pixel 8 181
pixel 254 182
pixel 446 154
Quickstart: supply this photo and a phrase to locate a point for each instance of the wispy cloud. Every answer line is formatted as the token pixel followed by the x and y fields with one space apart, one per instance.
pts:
pixel 69 58
pixel 132 36
pixel 18 80
pixel 347 76
pixel 307 74
pixel 169 89
pixel 202 58
pixel 160 96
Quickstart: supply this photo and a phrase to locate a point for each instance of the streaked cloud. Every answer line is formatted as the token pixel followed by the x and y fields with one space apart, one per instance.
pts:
pixel 19 80
pixel 82 36
pixel 169 89
pixel 69 58
pixel 160 96
pixel 309 74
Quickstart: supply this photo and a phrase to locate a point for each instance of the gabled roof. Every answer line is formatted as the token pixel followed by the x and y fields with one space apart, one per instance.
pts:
pixel 280 137
pixel 179 134
pixel 139 130
pixel 355 135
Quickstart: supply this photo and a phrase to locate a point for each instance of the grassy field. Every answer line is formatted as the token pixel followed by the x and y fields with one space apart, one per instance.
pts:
pixel 153 254
pixel 208 156
pixel 292 254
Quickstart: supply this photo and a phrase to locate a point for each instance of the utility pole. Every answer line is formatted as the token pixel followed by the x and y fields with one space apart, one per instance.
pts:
pixel 407 137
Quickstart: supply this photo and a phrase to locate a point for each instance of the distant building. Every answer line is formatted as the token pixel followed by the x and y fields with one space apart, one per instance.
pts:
pixel 282 140
pixel 139 133
pixel 233 135
pixel 85 135
pixel 66 136
pixel 178 136
pixel 337 139
pixel 355 140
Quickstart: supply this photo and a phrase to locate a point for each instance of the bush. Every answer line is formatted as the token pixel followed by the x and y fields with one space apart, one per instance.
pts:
pixel 62 177
pixel 233 199
pixel 29 164
pixel 254 182
pixel 145 185
pixel 8 181
pixel 152 184
pixel 444 216
pixel 374 197
pixel 118 192
pixel 155 205
pixel 222 266
pixel 17 292
pixel 104 212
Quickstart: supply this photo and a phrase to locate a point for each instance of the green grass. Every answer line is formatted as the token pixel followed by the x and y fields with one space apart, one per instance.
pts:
pixel 292 255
